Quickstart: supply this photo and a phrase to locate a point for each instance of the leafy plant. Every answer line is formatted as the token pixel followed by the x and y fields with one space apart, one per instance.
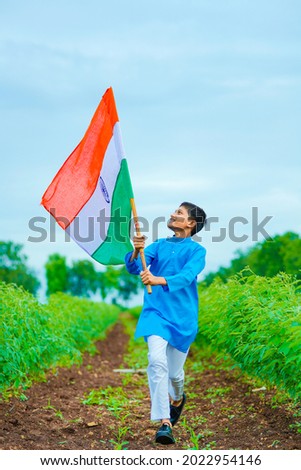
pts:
pixel 296 426
pixel 118 442
pixel 57 413
pixel 196 438
pixel 112 398
pixel 217 392
pixel 257 321
pixel 36 337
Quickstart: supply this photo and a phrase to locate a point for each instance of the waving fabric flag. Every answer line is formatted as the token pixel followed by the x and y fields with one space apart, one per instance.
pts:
pixel 90 195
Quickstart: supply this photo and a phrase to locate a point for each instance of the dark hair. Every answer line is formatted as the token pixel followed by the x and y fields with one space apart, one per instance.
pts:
pixel 197 214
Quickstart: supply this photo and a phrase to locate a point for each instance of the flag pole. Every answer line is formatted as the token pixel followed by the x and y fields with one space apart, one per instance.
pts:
pixel 137 227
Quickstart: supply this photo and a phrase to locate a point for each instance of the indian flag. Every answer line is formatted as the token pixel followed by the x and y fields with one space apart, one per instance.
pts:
pixel 90 195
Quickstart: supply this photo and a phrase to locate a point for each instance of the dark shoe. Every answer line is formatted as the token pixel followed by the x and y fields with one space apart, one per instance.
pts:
pixel 164 435
pixel 175 411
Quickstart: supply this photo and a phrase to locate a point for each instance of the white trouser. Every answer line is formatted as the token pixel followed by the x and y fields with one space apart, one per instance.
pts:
pixel 165 375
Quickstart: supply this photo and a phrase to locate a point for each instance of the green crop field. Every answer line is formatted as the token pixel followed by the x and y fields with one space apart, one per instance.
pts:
pixel 36 337
pixel 249 336
pixel 257 321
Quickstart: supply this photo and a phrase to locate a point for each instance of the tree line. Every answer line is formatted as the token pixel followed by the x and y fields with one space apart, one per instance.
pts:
pixel 282 253
pixel 81 278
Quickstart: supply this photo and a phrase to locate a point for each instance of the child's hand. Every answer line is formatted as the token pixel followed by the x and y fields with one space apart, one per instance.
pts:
pixel 149 279
pixel 139 242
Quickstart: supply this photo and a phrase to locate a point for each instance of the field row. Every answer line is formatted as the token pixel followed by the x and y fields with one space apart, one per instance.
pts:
pixel 257 321
pixel 36 337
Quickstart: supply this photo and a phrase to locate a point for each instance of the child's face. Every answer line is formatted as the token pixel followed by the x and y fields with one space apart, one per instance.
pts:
pixel 179 221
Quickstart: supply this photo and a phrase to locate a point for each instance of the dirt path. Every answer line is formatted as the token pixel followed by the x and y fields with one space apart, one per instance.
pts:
pixel 222 411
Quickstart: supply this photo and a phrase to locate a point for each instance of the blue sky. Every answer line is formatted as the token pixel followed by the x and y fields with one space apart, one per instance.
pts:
pixel 208 95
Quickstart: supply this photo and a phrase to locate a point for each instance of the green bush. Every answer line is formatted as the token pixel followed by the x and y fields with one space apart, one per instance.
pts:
pixel 35 337
pixel 257 321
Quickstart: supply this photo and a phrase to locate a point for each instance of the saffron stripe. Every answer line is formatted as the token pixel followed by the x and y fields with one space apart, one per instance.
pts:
pixel 77 179
pixel 89 228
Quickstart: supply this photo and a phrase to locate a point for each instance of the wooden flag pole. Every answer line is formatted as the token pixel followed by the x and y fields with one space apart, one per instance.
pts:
pixel 137 227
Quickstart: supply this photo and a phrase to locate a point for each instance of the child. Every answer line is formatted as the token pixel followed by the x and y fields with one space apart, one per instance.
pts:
pixel 169 318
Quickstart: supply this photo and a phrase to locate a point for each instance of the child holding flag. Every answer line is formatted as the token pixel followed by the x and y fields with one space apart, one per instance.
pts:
pixel 169 318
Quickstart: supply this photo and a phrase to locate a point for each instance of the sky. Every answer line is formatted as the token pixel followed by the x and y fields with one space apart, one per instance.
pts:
pixel 208 97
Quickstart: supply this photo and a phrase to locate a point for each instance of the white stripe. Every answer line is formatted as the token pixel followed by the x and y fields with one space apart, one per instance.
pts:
pixel 85 229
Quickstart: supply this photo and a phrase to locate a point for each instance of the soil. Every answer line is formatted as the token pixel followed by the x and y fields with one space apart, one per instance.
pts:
pixel 233 417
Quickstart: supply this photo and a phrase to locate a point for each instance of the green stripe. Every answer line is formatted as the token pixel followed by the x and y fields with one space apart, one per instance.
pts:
pixel 117 243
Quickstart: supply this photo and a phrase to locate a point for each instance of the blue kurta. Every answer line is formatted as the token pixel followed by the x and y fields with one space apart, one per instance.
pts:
pixel 171 311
